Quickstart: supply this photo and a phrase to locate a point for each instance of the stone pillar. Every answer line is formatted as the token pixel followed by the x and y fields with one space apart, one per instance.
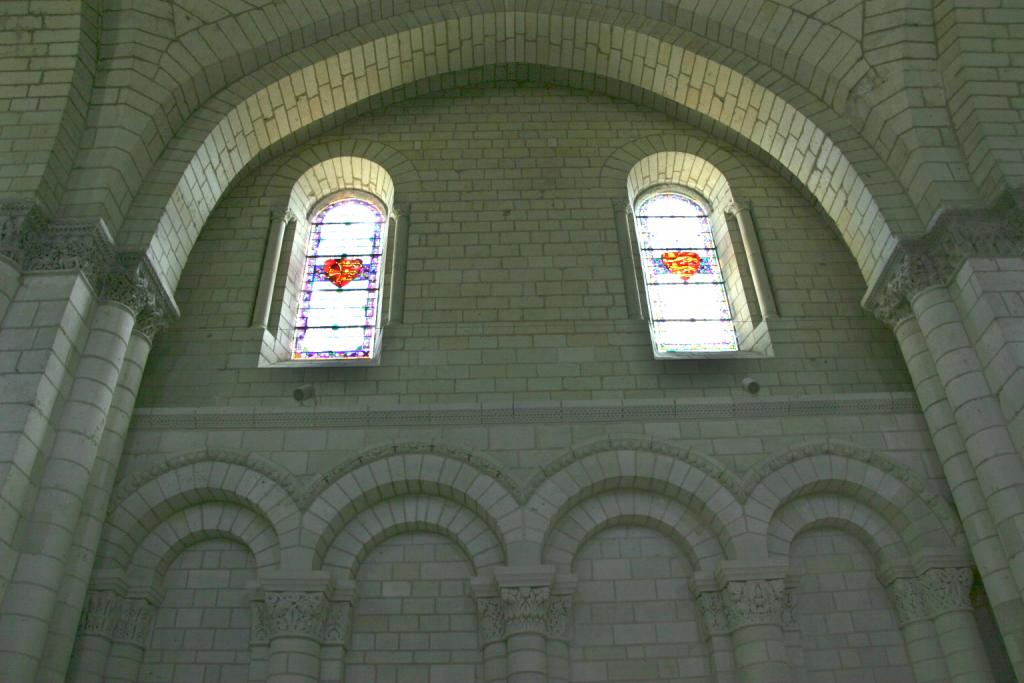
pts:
pixel 715 627
pixel 126 287
pixel 268 274
pixel 753 597
pixel 758 270
pixel 131 637
pixel 915 283
pixel 926 657
pixel 90 525
pixel 398 238
pixel 296 612
pixel 947 597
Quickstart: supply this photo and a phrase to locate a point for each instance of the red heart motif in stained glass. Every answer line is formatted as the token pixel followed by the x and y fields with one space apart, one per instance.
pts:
pixel 342 271
pixel 685 264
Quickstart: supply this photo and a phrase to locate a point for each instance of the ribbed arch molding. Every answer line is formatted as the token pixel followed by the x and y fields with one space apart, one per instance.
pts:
pixel 411 513
pixel 337 83
pixel 199 523
pixel 338 173
pixel 575 527
pixel 835 512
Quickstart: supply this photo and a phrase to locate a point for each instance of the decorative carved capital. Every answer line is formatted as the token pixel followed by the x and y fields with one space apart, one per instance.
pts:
pixel 713 614
pixel 85 246
pixel 101 613
pixel 491 618
pixel 18 220
pixel 337 623
pixel 525 608
pixel 134 624
pixel 259 627
pixel 907 600
pixel 789 610
pixel 756 601
pixel 934 259
pixel 947 589
pixel 559 617
pixel 296 613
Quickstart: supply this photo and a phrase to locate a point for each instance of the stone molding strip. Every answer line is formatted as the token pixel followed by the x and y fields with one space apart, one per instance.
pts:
pixel 528 413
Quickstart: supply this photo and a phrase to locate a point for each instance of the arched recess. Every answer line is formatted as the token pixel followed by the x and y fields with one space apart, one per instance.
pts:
pixel 341 495
pixel 199 523
pixel 575 527
pixel 413 513
pixel 642 465
pixel 829 511
pixel 644 63
pixel 145 500
pixel 921 519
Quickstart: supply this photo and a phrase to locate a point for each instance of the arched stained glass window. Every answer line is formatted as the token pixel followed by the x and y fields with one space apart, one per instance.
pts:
pixel 688 307
pixel 340 299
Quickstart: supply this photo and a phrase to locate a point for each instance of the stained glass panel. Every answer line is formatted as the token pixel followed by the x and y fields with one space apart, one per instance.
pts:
pixel 685 289
pixel 340 296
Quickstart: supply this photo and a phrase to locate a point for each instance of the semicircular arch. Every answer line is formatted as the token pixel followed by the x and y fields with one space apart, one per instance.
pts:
pixel 818 162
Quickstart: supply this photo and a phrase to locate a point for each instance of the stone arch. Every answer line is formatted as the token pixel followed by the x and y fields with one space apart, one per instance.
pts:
pixel 199 523
pixel 145 500
pixel 372 526
pixel 637 464
pixel 810 153
pixel 920 518
pixel 342 494
pixel 575 527
pixel 817 511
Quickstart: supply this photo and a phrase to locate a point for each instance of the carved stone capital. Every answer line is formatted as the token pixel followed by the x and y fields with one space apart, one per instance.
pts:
pixel 525 608
pixel 83 246
pixel 134 624
pixel 712 612
pixel 754 601
pixel 18 220
pixel 491 618
pixel 337 623
pixel 100 614
pixel 935 259
pixel 947 589
pixel 907 600
pixel 558 620
pixel 259 626
pixel 297 614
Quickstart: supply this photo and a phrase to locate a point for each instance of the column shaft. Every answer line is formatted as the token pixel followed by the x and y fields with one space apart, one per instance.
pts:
pixel 986 547
pixel 994 459
pixel 758 270
pixel 962 646
pixel 761 654
pixel 92 651
pixel 495 670
pixel 124 664
pixel 73 588
pixel 29 604
pixel 926 658
pixel 558 661
pixel 293 659
pixel 268 274
pixel 527 658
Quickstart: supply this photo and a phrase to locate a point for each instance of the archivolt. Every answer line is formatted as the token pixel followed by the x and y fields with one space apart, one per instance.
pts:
pixel 647 63
pixel 413 513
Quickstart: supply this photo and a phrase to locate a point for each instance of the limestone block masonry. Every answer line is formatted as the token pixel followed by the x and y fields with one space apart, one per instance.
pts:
pixel 514 489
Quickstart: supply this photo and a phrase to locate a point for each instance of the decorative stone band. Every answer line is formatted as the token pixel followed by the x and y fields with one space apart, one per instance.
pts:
pixel 755 601
pixel 296 614
pixel 117 618
pixel 935 258
pixel 335 630
pixel 524 609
